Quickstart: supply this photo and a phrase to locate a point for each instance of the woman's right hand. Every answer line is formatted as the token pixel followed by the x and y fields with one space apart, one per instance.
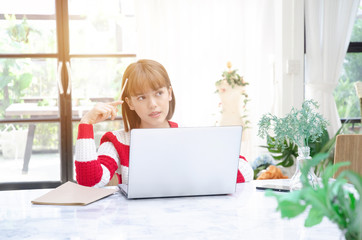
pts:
pixel 100 112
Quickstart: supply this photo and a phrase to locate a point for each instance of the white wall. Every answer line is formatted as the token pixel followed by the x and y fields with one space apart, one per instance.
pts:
pixel 290 51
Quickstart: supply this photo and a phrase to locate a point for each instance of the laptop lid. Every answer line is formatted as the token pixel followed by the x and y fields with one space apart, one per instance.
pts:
pixel 168 162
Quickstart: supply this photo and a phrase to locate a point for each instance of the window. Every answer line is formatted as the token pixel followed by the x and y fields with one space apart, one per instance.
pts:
pixel 47 49
pixel 345 94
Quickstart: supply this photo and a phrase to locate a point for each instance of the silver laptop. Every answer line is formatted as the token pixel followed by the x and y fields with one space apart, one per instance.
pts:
pixel 171 162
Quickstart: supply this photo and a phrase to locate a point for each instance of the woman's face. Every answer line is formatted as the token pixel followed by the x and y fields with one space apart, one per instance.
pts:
pixel 152 107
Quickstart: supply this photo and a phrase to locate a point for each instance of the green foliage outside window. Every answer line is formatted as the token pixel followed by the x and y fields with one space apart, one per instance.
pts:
pixel 24 77
pixel 15 74
pixel 345 94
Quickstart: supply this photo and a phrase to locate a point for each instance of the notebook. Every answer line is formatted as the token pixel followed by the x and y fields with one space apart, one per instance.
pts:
pixel 172 162
pixel 71 193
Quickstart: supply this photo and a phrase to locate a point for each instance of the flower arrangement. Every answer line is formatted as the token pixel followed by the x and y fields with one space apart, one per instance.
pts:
pixel 233 105
pixel 299 126
pixel 232 78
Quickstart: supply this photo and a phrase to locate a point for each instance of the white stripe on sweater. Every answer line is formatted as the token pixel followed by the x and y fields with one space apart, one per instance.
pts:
pixel 86 150
pixel 124 174
pixel 108 149
pixel 122 136
pixel 246 170
pixel 105 177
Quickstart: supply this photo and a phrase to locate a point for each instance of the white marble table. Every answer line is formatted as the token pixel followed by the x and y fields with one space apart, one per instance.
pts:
pixel 247 214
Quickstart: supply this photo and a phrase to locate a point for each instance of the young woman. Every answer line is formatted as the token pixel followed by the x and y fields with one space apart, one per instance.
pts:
pixel 149 103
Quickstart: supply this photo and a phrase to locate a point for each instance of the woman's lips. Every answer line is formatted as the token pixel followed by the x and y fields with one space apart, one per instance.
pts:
pixel 155 114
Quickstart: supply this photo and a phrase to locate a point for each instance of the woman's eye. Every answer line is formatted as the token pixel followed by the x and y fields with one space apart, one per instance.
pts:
pixel 140 98
pixel 159 93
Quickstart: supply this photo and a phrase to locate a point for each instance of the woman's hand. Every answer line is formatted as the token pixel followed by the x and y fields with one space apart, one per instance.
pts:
pixel 100 112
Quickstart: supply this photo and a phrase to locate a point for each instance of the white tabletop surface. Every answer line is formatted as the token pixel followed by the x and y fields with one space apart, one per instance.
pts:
pixel 247 214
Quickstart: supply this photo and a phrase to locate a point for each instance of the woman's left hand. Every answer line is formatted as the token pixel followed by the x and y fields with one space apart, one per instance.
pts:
pixel 101 112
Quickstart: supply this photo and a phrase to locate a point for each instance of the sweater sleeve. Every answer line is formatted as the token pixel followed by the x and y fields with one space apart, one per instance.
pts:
pixel 93 169
pixel 245 171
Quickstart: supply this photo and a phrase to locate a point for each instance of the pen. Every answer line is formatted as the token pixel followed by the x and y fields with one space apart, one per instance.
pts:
pixel 124 87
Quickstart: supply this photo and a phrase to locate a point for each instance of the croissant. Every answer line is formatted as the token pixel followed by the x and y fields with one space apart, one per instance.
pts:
pixel 272 172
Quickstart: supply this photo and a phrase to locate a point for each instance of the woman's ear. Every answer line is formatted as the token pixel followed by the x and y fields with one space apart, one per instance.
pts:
pixel 170 93
pixel 129 102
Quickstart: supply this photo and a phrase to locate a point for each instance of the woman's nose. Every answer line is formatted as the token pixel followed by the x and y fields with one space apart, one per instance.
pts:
pixel 152 102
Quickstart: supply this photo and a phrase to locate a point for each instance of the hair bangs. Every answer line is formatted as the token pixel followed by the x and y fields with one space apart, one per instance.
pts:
pixel 146 80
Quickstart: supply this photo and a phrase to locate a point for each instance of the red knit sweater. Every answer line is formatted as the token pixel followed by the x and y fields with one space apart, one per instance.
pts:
pixel 96 168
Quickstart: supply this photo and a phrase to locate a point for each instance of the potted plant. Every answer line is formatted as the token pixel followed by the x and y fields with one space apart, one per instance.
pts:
pixel 300 127
pixel 337 199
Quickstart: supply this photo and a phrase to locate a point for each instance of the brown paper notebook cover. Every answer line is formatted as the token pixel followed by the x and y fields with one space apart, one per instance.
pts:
pixel 71 193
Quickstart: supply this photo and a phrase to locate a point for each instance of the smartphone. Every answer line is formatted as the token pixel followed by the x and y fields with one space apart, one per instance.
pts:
pixel 279 188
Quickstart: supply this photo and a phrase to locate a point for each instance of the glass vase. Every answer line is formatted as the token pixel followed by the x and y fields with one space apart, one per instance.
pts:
pixel 303 156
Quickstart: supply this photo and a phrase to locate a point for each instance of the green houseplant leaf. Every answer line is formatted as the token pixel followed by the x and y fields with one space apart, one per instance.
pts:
pixel 332 199
pixel 289 205
pixel 285 156
pixel 315 217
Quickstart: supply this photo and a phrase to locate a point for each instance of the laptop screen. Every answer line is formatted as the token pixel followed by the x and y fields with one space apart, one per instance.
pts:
pixel 168 162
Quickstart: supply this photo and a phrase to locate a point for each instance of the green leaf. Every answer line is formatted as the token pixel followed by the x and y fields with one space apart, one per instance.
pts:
pixel 316 198
pixel 314 162
pixel 355 179
pixel 344 208
pixel 25 80
pixel 290 209
pixel 278 158
pixel 288 161
pixel 4 80
pixel 314 217
pixel 289 204
pixel 355 226
pixel 330 144
pixel 294 196
pixel 331 170
pixel 274 151
pixel 260 168
pixel 317 146
pixel 353 200
pixel 284 155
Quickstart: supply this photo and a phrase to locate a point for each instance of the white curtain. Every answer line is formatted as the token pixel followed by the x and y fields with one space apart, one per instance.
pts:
pixel 328 29
pixel 195 39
